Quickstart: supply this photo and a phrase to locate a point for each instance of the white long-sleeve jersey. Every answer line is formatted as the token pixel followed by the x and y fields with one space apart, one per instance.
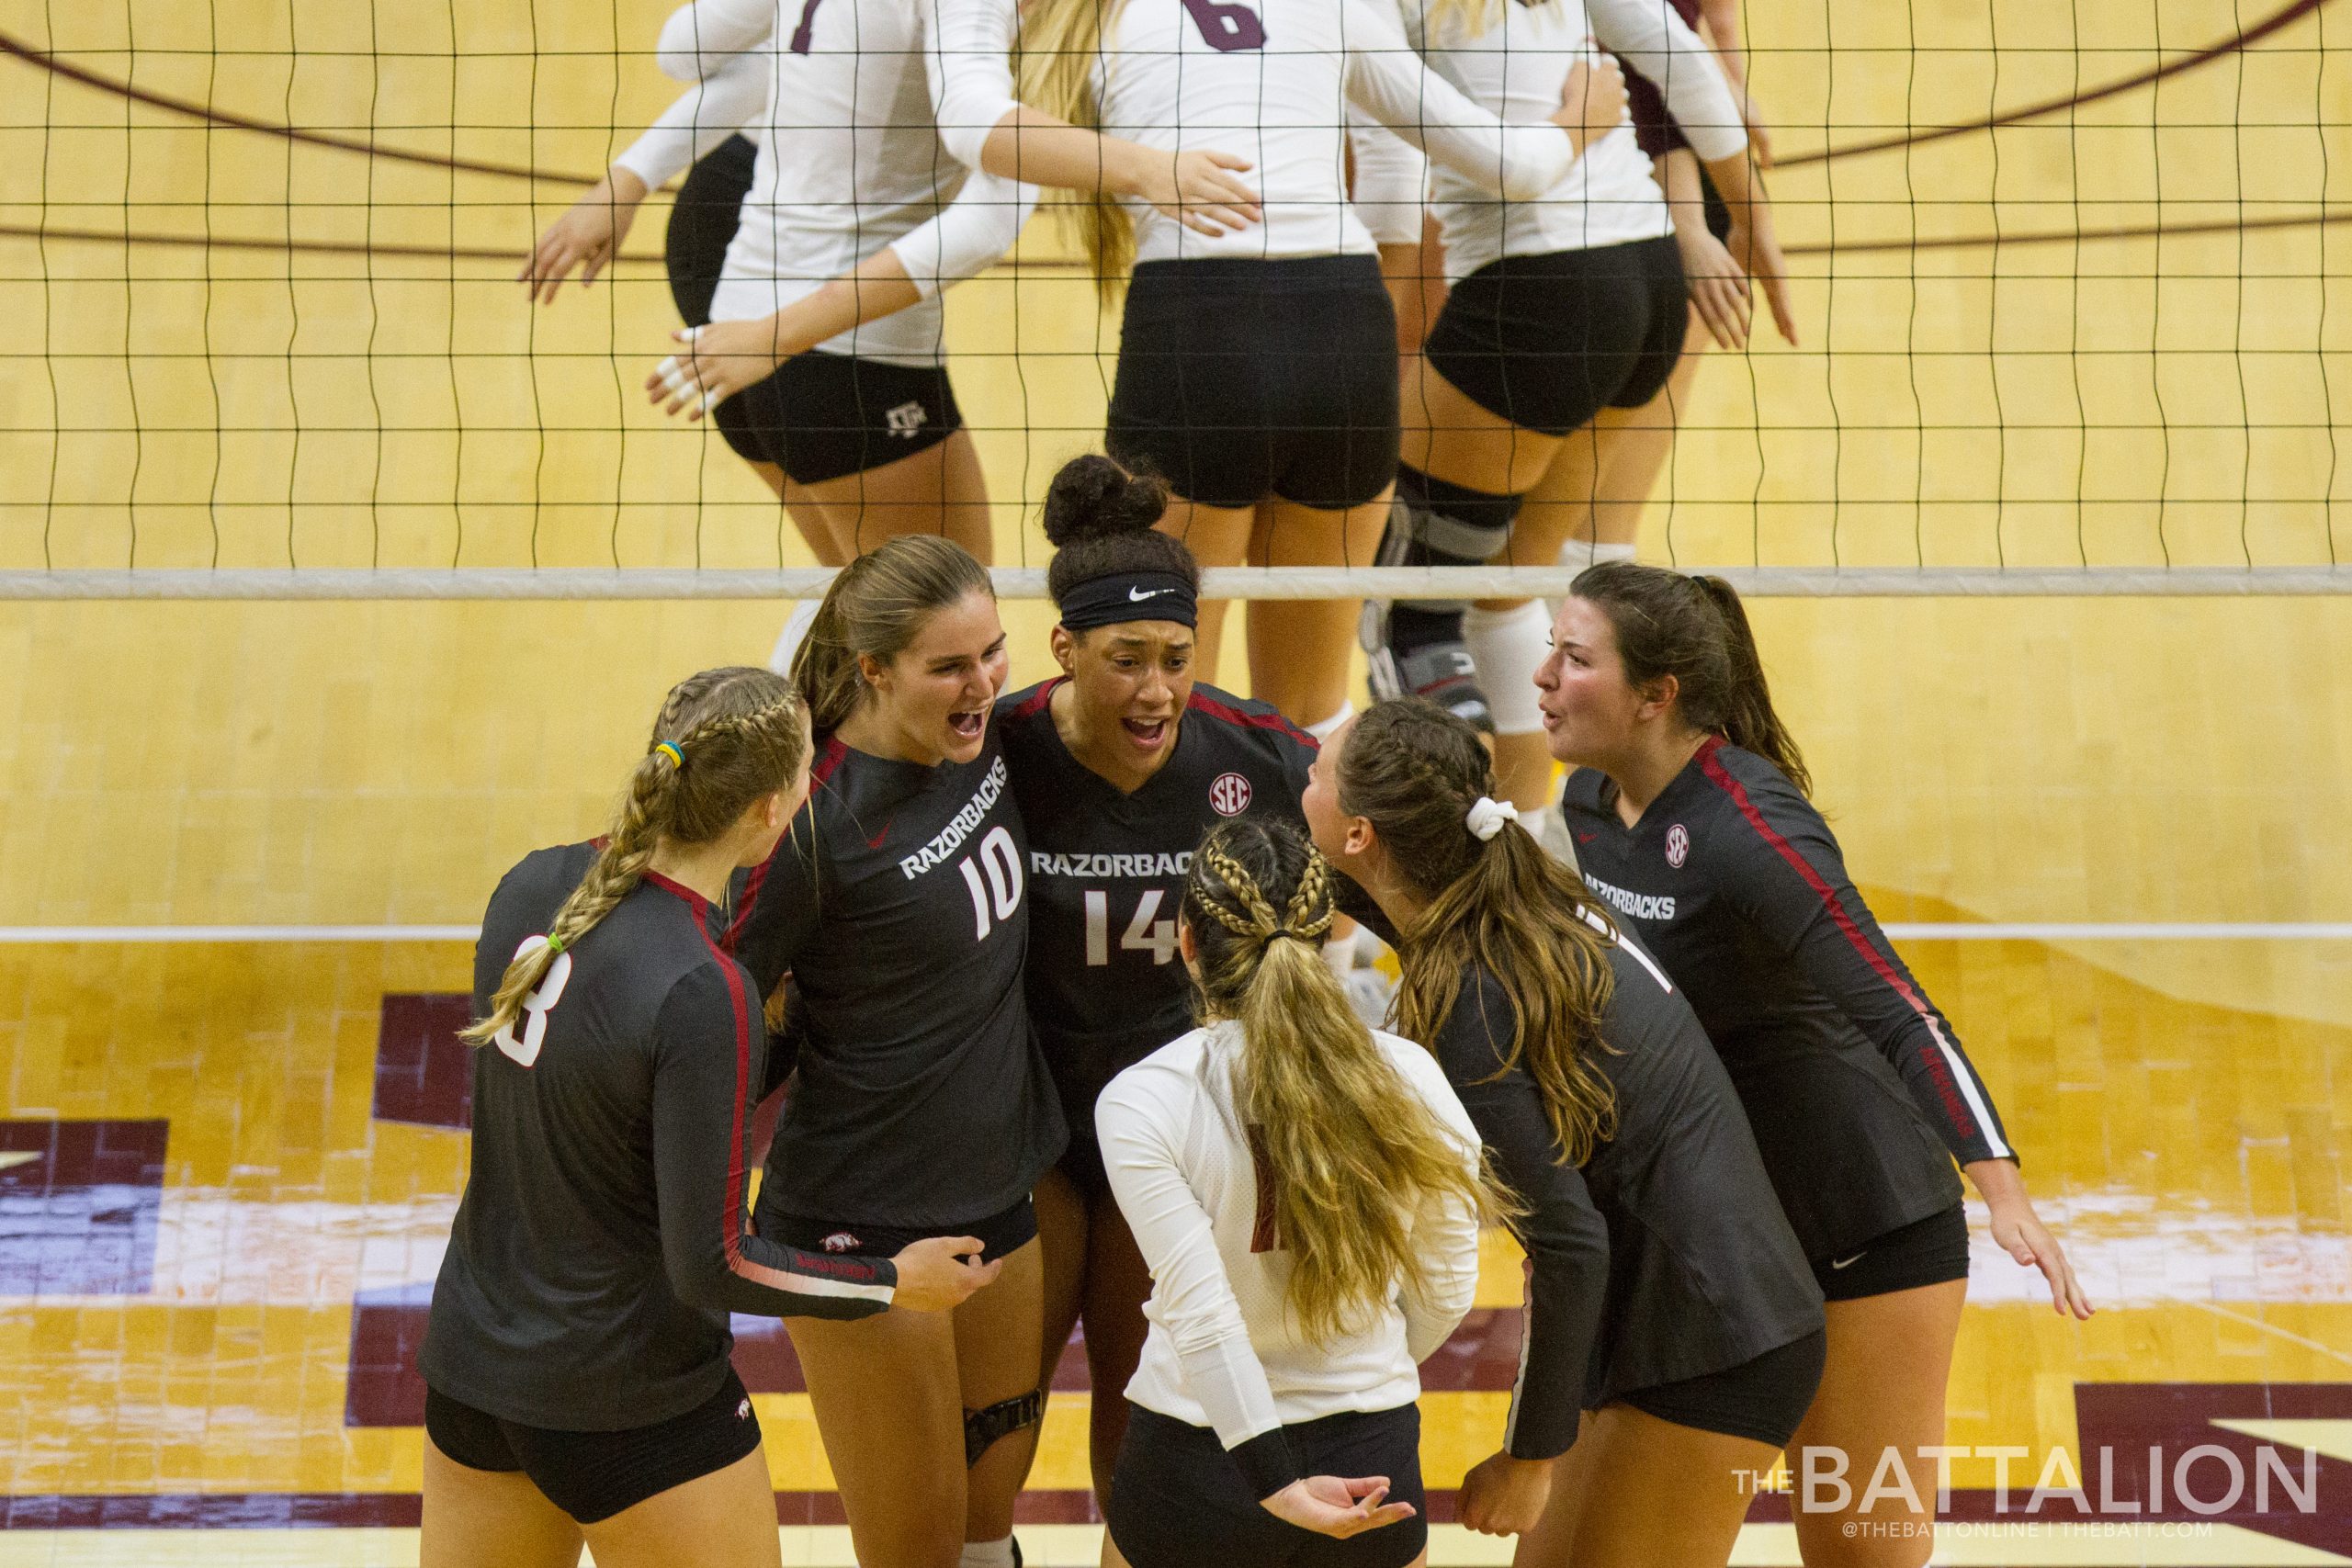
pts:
pixel 1516 67
pixel 849 159
pixel 1274 86
pixel 1223 1349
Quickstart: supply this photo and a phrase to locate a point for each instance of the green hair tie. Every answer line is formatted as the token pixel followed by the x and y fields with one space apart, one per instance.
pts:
pixel 555 946
pixel 677 758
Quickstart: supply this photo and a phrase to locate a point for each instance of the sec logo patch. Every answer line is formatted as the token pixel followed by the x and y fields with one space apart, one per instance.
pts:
pixel 1229 794
pixel 1678 845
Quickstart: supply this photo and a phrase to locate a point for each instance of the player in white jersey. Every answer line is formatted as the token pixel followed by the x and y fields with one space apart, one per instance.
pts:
pixel 827 354
pixel 713 125
pixel 1565 317
pixel 1257 361
pixel 1306 1193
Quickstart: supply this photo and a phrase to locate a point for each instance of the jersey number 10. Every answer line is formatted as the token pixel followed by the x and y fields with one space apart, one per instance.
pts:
pixel 999 887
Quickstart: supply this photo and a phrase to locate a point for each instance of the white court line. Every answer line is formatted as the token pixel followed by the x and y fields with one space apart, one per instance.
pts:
pixel 1898 930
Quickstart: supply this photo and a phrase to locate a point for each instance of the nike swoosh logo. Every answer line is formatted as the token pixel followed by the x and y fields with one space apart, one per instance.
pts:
pixel 1587 837
pixel 1138 595
pixel 876 843
pixel 1848 1262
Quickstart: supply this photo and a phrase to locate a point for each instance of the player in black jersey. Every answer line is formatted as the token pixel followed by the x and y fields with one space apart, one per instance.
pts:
pixel 576 1359
pixel 920 1106
pixel 1668 1298
pixel 1690 819
pixel 1119 766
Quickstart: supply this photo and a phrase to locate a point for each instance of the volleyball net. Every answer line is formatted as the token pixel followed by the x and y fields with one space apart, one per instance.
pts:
pixel 2071 281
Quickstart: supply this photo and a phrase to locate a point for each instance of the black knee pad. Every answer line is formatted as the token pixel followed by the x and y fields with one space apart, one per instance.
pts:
pixel 1447 524
pixel 983 1427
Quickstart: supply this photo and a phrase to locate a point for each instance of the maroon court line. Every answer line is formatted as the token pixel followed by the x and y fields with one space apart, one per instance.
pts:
pixel 2293 13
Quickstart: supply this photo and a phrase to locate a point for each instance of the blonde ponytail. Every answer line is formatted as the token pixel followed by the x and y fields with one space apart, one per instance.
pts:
pixel 724 738
pixel 1054 59
pixel 1351 1150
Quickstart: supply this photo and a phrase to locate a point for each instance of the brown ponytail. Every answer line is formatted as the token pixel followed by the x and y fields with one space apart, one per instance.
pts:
pixel 738 734
pixel 1055 54
pixel 1695 629
pixel 875 608
pixel 1414 771
pixel 1350 1148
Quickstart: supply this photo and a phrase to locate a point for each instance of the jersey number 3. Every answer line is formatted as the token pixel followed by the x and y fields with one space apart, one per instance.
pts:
pixel 1225 26
pixel 537 1004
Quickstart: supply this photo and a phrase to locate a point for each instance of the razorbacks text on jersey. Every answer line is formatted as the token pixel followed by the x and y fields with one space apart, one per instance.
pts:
pixel 900 903
pixel 601 1245
pixel 1106 873
pixel 1857 1088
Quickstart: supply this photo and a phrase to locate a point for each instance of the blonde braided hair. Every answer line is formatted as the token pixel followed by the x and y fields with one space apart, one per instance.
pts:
pixel 1350 1151
pixel 724 738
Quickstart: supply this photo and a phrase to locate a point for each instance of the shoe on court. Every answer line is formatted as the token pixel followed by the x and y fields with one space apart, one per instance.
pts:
pixel 1443 671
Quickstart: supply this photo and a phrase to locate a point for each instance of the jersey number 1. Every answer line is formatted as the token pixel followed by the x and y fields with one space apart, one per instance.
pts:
pixel 1225 26
pixel 802 34
pixel 1000 889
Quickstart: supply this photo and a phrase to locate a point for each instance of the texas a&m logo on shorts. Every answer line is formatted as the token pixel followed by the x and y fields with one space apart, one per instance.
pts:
pixel 1229 794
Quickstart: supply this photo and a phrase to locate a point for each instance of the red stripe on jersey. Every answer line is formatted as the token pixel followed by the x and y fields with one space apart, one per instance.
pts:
pixel 1037 704
pixel 828 758
pixel 1234 715
pixel 1937 1069
pixel 731 1222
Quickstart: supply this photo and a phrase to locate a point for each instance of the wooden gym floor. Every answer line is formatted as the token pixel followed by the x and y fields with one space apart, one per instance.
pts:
pixel 227 1164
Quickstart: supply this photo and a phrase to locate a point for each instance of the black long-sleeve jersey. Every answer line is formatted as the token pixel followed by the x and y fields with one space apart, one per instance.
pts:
pixel 1857 1088
pixel 1664 1256
pixel 1107 872
pixel 898 904
pixel 601 1245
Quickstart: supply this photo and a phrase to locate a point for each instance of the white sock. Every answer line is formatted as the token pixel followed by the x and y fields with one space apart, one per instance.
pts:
pixel 987 1554
pixel 1323 729
pixel 1582 553
pixel 795 632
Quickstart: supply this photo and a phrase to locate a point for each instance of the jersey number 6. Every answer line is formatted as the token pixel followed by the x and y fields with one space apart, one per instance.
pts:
pixel 1227 27
pixel 1002 888
pixel 537 1004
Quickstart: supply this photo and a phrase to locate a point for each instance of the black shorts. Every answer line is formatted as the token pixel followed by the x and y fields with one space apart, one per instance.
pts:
pixel 1178 1500
pixel 1763 1399
pixel 1933 1251
pixel 824 415
pixel 1548 341
pixel 1240 379
pixel 999 1234
pixel 593 1475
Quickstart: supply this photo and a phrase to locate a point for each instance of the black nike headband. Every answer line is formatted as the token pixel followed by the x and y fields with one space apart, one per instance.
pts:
pixel 1130 596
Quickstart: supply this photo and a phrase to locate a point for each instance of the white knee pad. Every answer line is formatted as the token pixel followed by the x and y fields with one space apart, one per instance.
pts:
pixel 1578 554
pixel 1506 645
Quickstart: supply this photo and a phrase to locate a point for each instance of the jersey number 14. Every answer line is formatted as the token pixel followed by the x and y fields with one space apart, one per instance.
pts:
pixel 1144 934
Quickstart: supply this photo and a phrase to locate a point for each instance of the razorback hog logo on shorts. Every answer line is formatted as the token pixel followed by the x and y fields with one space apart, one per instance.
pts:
pixel 1229 794
pixel 1678 845
pixel 839 1241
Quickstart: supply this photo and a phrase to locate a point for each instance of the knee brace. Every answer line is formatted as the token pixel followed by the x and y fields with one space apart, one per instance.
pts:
pixel 1446 524
pixel 983 1427
pixel 1506 645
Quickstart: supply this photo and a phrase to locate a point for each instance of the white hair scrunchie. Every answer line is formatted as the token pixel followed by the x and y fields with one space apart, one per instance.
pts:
pixel 1487 818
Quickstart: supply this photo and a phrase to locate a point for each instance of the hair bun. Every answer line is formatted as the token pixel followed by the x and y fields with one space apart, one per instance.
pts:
pixel 1094 497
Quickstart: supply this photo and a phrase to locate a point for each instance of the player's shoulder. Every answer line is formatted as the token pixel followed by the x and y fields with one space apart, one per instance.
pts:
pixel 535 884
pixel 1022 715
pixel 1753 796
pixel 1242 726
pixel 1169 1076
